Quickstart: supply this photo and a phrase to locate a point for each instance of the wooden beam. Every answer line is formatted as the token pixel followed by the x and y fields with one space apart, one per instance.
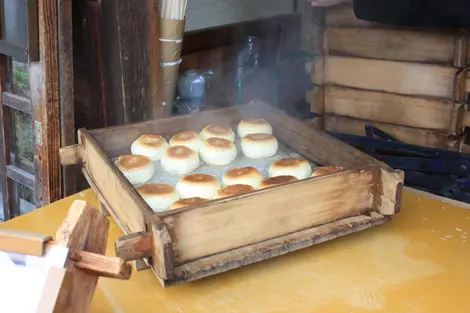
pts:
pixel 22 242
pixel 416 136
pixel 434 114
pixel 84 229
pixel 103 266
pixel 390 76
pixel 5 147
pixel 392 44
pixel 17 102
pixel 66 89
pixel 45 97
pixel 20 176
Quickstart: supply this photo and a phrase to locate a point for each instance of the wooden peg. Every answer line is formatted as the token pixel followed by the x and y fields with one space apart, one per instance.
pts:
pixel 100 265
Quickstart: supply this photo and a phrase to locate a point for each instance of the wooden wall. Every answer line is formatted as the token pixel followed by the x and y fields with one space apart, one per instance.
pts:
pixel 401 80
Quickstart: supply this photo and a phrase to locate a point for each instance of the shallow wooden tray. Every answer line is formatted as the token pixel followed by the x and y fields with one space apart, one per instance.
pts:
pixel 198 241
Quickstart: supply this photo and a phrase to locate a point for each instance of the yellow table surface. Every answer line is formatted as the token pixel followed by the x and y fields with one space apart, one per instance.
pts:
pixel 420 262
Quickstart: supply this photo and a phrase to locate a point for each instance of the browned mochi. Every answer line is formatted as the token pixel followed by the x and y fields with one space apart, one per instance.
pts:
pixel 218 131
pixel 218 143
pixel 132 162
pixel 154 141
pixel 155 190
pixel 198 185
pixel 184 135
pixel 234 190
pixel 276 181
pixel 180 152
pixel 326 170
pixel 259 137
pixel 244 175
pixel 199 178
pixel 187 202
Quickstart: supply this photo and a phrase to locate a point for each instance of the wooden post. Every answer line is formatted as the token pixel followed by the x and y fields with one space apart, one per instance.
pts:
pixel 45 96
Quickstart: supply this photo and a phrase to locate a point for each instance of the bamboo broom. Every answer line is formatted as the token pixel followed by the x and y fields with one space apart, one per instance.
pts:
pixel 172 20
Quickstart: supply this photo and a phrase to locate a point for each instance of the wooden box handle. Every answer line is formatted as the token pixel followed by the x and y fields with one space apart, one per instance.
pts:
pixel 71 155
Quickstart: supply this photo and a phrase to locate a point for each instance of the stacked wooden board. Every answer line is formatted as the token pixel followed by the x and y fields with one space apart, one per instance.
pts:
pixel 411 84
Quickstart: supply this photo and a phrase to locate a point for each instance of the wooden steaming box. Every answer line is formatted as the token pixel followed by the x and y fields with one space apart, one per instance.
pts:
pixel 194 242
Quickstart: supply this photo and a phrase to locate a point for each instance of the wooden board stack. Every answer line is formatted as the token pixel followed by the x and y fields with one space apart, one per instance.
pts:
pixel 411 84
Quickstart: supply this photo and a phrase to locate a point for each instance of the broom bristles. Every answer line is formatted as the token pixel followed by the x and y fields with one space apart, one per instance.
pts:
pixel 173 9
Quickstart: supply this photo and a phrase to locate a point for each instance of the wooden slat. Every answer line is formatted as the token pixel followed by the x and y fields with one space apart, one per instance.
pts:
pixel 66 89
pixel 45 96
pixel 392 44
pixel 261 251
pixel 396 77
pixel 17 102
pixel 22 242
pixel 409 135
pixel 22 177
pixel 133 71
pixel 433 114
pixel 129 208
pixel 5 147
pixel 273 212
pixel 84 229
pixel 103 266
pixel 343 15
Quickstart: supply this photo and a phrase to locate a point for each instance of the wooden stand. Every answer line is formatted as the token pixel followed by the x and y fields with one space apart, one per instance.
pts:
pixel 84 232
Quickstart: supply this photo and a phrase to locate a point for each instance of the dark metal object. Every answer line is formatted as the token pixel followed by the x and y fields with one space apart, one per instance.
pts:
pixel 446 173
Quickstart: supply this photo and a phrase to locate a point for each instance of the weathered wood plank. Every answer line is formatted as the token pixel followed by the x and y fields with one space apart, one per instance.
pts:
pixel 66 89
pixel 390 76
pixel 45 96
pixel 427 113
pixel 194 235
pixel 20 176
pixel 392 44
pixel 416 136
pixel 264 250
pixel 17 102
pixel 5 147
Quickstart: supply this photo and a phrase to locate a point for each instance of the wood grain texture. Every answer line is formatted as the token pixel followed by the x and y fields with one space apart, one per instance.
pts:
pixel 129 208
pixel 132 71
pixel 392 44
pixel 5 147
pixel 395 77
pixel 21 176
pixel 390 188
pixel 409 135
pixel 84 229
pixel 71 155
pixel 135 246
pixel 66 89
pixel 45 96
pixel 17 102
pixel 273 212
pixel 22 242
pixel 274 247
pixel 434 114
pixel 102 266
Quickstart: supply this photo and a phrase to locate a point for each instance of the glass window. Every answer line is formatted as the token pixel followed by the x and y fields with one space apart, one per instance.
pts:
pixel 24 198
